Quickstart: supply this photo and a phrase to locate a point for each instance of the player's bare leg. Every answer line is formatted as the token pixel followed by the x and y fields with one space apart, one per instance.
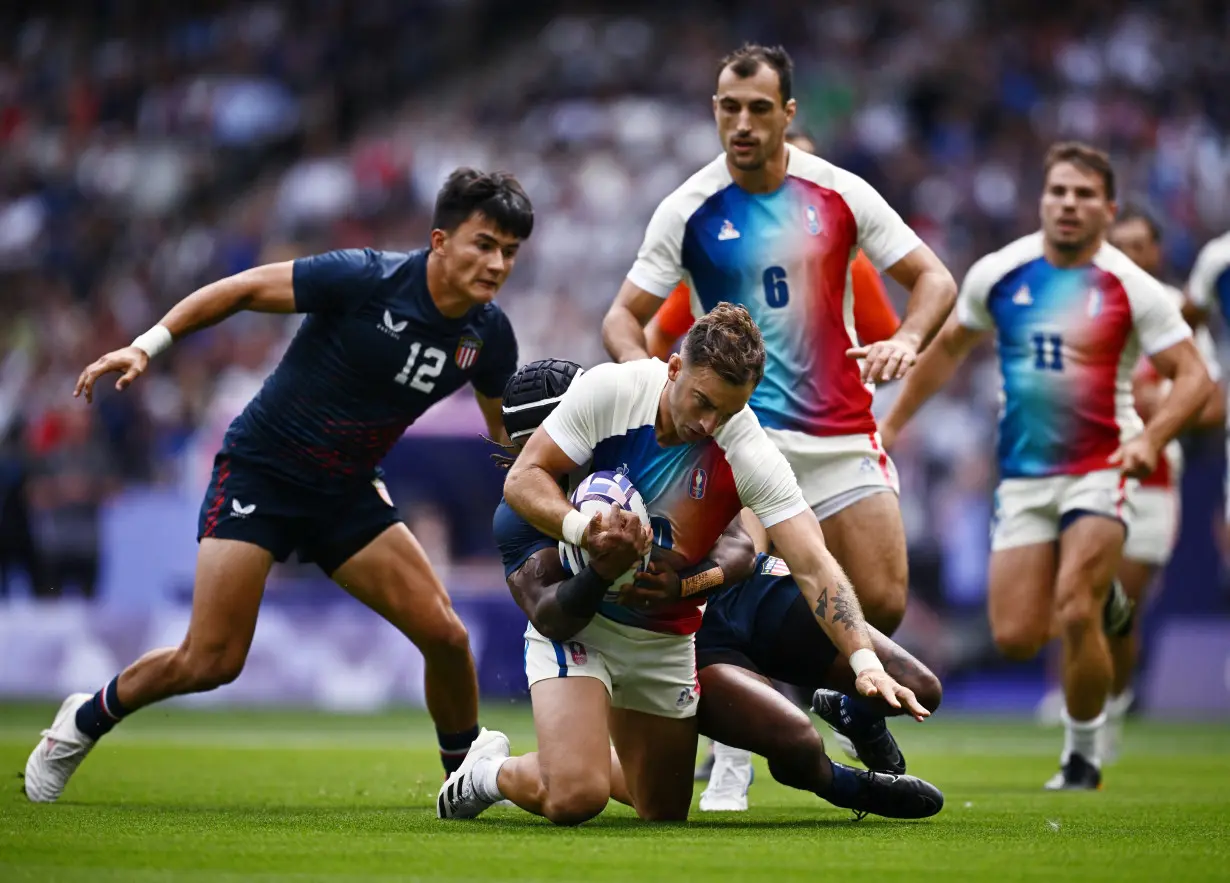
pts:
pixel 571 776
pixel 1136 577
pixel 1089 555
pixel 657 755
pixel 868 540
pixel 741 708
pixel 1021 598
pixel 230 580
pixel 392 576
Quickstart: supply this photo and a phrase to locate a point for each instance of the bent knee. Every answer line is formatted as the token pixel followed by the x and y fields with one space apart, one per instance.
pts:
pixel 207 668
pixel 664 812
pixel 1019 644
pixel 575 804
pixel 441 631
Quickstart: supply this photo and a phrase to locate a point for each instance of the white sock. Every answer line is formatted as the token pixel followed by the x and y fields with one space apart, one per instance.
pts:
pixel 486 776
pixel 1081 737
pixel 1117 706
pixel 736 756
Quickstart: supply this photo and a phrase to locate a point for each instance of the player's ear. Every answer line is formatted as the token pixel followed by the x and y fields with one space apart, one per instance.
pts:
pixel 792 107
pixel 438 238
pixel 673 366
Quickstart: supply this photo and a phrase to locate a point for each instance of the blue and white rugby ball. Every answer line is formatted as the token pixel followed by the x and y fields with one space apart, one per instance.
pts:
pixel 595 494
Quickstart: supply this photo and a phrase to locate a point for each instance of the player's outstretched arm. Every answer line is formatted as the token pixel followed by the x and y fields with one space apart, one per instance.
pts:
pixel 935 368
pixel 1192 386
pixel 820 578
pixel 933 291
pixel 266 289
pixel 558 605
pixel 623 327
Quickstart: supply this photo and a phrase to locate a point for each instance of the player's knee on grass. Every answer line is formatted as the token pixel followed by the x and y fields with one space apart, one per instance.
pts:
pixel 927 688
pixel 577 800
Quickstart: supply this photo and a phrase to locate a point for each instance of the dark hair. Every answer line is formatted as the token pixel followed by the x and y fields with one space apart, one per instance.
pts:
pixel 1134 212
pixel 533 392
pixel 1089 158
pixel 728 343
pixel 497 195
pixel 748 58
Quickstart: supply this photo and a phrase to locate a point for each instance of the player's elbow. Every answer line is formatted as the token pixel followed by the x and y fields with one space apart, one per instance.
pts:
pixel 553 624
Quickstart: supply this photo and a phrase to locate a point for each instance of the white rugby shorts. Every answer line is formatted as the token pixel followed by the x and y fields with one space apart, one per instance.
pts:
pixel 1030 510
pixel 831 469
pixel 642 670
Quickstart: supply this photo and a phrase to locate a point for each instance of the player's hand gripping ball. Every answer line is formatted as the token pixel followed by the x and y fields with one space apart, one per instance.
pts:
pixel 595 495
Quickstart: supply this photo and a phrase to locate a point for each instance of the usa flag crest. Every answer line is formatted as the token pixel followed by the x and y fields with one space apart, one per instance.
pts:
pixel 467 352
pixel 774 567
pixel 697 483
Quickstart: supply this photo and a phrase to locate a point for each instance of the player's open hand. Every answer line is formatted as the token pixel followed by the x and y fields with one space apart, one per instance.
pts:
pixel 616 541
pixel 876 684
pixel 130 362
pixel 1137 457
pixel 884 361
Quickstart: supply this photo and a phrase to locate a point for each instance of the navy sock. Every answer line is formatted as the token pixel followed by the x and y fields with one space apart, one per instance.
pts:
pixel 847 785
pixel 455 746
pixel 96 717
pixel 858 715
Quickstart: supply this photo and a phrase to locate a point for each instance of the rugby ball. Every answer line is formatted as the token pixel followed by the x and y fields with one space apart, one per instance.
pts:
pixel 595 494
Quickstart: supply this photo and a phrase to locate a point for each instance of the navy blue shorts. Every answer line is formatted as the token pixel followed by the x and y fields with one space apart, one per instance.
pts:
pixel 765 625
pixel 244 502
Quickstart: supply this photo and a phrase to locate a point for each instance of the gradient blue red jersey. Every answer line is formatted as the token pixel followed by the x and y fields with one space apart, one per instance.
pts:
pixel 785 256
pixel 1068 340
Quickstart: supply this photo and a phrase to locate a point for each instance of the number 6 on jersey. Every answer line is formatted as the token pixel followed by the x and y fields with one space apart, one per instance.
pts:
pixel 776 289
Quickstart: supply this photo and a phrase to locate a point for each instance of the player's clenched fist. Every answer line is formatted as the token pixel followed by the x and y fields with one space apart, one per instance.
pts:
pixel 131 361
pixel 616 541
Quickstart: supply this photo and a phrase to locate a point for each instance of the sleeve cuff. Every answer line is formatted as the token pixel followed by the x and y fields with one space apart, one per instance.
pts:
pixel 777 516
pixel 641 279
pixel 897 253
pixel 1169 339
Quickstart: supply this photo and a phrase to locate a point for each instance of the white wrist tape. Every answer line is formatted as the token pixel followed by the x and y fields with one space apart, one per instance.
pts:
pixel 154 341
pixel 574 526
pixel 865 660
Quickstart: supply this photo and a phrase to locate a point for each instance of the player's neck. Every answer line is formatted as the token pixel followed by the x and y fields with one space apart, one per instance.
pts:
pixel 664 428
pixel 765 179
pixel 452 303
pixel 1065 259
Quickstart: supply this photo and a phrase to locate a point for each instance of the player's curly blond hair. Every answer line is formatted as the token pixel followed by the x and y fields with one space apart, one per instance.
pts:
pixel 727 342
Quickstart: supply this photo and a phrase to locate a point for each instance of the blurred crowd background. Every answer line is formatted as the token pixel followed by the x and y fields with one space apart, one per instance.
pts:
pixel 147 149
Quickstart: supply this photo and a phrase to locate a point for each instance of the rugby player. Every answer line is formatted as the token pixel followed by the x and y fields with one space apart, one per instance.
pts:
pixel 682 434
pixel 1071 314
pixel 387 336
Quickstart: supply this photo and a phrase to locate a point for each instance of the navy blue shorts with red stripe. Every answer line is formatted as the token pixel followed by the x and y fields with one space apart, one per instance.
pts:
pixel 244 502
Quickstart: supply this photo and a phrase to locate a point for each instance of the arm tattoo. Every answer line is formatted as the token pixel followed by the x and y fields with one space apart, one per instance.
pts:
pixel 845 608
pixel 822 606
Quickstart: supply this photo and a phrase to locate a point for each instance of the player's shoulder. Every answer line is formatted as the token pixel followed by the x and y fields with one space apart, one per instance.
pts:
pixel 1135 281
pixel 818 170
pixel 621 376
pixel 689 196
pixel 1213 257
pixel 992 267
pixel 741 430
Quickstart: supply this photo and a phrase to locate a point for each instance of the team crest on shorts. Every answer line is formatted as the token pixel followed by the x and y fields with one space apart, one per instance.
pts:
pixel 467 352
pixel 813 220
pixel 686 697
pixel 697 483
pixel 577 650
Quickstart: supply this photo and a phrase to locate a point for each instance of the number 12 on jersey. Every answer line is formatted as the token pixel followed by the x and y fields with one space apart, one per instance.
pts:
pixel 1048 352
pixel 429 369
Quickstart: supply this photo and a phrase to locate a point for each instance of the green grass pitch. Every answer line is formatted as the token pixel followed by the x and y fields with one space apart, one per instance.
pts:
pixel 191 795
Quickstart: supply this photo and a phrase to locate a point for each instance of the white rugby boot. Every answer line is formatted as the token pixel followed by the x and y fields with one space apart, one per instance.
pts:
pixel 58 753
pixel 459 798
pixel 728 783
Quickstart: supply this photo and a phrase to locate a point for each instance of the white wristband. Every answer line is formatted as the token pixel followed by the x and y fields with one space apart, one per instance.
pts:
pixel 865 660
pixel 154 341
pixel 574 527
